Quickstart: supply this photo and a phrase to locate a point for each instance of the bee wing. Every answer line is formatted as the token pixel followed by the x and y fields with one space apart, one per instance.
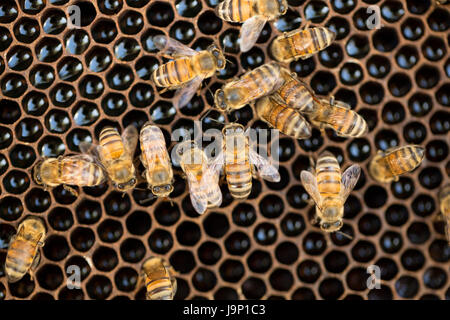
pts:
pixel 349 179
pixel 198 197
pixel 185 93
pixel 172 47
pixel 265 169
pixel 214 167
pixel 92 152
pixel 130 138
pixel 309 182
pixel 250 31
pixel 210 181
pixel 88 158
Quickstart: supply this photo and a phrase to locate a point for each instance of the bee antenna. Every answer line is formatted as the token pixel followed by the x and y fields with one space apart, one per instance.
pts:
pixel 147 200
pixel 345 235
pixel 229 61
pixel 207 112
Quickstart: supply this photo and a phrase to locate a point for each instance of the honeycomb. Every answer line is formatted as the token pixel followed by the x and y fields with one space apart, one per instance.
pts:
pixel 60 86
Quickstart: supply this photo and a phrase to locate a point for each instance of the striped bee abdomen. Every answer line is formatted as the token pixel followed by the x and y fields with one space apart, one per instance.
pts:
pixel 159 288
pixel 260 81
pixel 174 73
pixel 285 119
pixel 80 173
pixel 404 159
pixel 328 175
pixel 295 94
pixel 112 144
pixel 19 259
pixel 235 10
pixel 301 43
pixel 237 166
pixel 345 122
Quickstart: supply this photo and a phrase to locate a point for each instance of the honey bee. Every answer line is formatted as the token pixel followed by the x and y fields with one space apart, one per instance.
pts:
pixel 250 86
pixel 329 189
pixel 254 14
pixel 295 93
pixel 239 160
pixel 187 69
pixel 155 158
pixel 115 153
pixel 444 199
pixel 159 279
pixel 285 119
pixel 387 166
pixel 301 43
pixel 23 253
pixel 79 170
pixel 203 186
pixel 338 116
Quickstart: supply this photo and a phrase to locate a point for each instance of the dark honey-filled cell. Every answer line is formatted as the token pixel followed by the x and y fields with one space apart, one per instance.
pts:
pixel 50 276
pixel 99 287
pixel 183 261
pixel 132 250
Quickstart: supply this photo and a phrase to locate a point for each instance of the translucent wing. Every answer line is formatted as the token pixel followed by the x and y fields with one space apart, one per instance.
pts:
pixel 214 167
pixel 310 184
pixel 210 183
pixel 92 151
pixel 84 158
pixel 265 169
pixel 250 31
pixel 197 195
pixel 172 47
pixel 130 138
pixel 185 93
pixel 349 179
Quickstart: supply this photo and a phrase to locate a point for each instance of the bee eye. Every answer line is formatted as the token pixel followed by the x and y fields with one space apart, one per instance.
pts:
pixel 120 186
pixel 167 187
pixel 133 181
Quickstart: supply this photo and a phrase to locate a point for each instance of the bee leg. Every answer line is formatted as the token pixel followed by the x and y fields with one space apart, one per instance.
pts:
pixel 34 265
pixel 164 90
pixel 254 173
pixel 167 56
pixel 306 57
pixel 141 281
pixel 308 23
pixel 71 190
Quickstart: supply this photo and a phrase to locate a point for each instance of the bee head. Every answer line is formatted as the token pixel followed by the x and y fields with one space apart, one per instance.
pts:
pixel 218 56
pixel 37 172
pixel 163 190
pixel 282 6
pixel 233 128
pixel 219 100
pixel 329 226
pixel 124 187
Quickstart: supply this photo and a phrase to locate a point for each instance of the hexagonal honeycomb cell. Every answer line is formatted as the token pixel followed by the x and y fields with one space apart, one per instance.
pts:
pixel 59 86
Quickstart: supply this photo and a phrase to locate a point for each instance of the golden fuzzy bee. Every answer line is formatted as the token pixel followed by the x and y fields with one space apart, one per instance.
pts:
pixel 301 43
pixel 387 166
pixel 338 116
pixel 239 160
pixel 79 170
pixel 159 278
pixel 23 253
pixel 251 86
pixel 254 14
pixel 203 186
pixel 188 68
pixel 115 153
pixel 444 200
pixel 285 119
pixel 295 93
pixel 329 189
pixel 155 158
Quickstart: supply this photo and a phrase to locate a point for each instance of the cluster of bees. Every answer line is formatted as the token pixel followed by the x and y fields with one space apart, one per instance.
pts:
pixel 281 100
